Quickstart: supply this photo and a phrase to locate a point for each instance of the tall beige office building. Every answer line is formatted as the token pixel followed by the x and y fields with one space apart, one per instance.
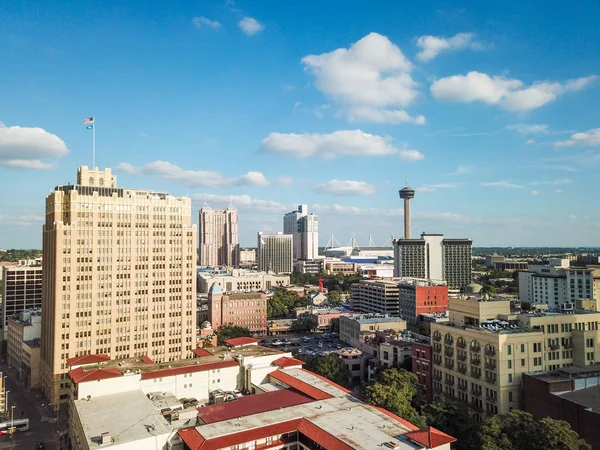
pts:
pixel 218 241
pixel 119 276
pixel 275 253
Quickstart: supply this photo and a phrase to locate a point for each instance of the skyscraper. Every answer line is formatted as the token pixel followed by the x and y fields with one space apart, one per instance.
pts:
pixel 275 253
pixel 304 228
pixel 119 276
pixel 21 290
pixel 218 237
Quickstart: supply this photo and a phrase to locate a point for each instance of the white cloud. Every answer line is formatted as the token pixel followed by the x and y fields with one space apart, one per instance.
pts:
pixel 284 180
pixel 25 148
pixel 200 22
pixel 461 170
pixel 426 189
pixel 20 218
pixel 250 26
pixel 558 191
pixel 590 138
pixel 194 177
pixel 346 187
pixel 552 182
pixel 530 142
pixel 509 93
pixel 432 46
pixel 370 81
pixel 572 217
pixel 410 155
pixel 502 184
pixel 435 187
pixel 330 145
pixel 529 128
pixel 243 203
pixel 535 193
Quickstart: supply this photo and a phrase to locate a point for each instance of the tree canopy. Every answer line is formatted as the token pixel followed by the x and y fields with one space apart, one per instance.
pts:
pixel 394 390
pixel 454 419
pixel 517 430
pixel 283 301
pixel 329 366
pixel 306 322
pixel 230 331
pixel 14 255
pixel 334 297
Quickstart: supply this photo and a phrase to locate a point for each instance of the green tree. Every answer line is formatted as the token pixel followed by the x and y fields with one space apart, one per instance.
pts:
pixel 394 390
pixel 334 297
pixel 230 331
pixel 306 322
pixel 283 301
pixel 329 366
pixel 453 418
pixel 206 343
pixel 14 255
pixel 517 430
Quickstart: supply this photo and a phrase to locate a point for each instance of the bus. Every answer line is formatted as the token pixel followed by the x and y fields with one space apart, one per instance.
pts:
pixel 18 424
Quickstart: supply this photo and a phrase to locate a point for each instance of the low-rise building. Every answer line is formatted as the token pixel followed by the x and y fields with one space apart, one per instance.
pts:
pixel 309 266
pixel 356 362
pixel 244 397
pixel 244 310
pixel 352 326
pixel 340 267
pixel 481 354
pixel 279 327
pixel 247 256
pixel 499 262
pixel 240 280
pixel 23 346
pixel 420 297
pixel 569 393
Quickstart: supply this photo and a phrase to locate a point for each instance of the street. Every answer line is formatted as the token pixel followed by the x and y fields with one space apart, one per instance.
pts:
pixel 28 403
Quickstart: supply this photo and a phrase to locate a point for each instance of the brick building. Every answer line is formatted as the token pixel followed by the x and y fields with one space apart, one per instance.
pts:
pixel 248 310
pixel 422 298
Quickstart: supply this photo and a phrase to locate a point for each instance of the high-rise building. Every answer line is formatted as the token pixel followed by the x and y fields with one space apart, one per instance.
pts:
pixel 275 253
pixel 481 354
pixel 305 230
pixel 119 276
pixel 21 290
pixel 218 237
pixel 435 258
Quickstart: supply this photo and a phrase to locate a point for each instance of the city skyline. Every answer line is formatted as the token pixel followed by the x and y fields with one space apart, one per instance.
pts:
pixel 500 143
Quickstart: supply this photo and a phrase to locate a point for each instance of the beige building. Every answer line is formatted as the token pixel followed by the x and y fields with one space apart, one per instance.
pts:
pixel 119 276
pixel 376 296
pixel 352 326
pixel 240 280
pixel 218 237
pixel 23 346
pixel 21 289
pixel 480 355
pixel 275 253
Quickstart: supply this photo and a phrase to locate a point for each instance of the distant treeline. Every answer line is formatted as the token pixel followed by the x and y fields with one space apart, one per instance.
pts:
pixel 14 255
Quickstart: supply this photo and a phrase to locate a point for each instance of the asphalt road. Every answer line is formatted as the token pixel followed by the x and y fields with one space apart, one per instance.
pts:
pixel 28 403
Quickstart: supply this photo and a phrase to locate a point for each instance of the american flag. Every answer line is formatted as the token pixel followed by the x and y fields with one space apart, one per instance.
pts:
pixel 88 121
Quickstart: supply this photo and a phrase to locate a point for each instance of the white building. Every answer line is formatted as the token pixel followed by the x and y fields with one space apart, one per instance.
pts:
pixel 240 280
pixel 275 253
pixel 434 258
pixel 559 285
pixel 305 230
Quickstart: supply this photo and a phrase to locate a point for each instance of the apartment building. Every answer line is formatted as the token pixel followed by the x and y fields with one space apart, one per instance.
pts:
pixel 376 296
pixel 559 285
pixel 24 332
pixel 218 241
pixel 119 276
pixel 275 253
pixel 481 354
pixel 418 298
pixel 435 258
pixel 248 310
pixel 304 228
pixel 21 289
pixel 241 280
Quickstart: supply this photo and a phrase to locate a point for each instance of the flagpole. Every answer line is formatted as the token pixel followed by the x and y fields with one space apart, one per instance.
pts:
pixel 94 144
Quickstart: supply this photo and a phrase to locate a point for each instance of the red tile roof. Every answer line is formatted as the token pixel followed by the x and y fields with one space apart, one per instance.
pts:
pixel 87 359
pixel 284 362
pixel 252 404
pixel 188 369
pixel 195 441
pixel 236 342
pixel 300 385
pixel 322 437
pixel 147 359
pixel 79 375
pixel 200 352
pixel 430 437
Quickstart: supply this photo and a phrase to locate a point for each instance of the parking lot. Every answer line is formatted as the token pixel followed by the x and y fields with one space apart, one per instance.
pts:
pixel 317 344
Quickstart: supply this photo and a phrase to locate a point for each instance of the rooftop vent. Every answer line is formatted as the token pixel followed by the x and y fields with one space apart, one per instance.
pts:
pixel 105 438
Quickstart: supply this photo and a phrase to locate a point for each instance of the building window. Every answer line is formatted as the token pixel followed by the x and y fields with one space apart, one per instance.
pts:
pixel 510 378
pixel 523 363
pixel 509 350
pixel 509 364
pixel 510 396
pixel 522 348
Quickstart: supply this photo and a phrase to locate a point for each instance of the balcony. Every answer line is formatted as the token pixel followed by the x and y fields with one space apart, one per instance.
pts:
pixel 491 399
pixel 490 352
pixel 449 341
pixel 449 364
pixel 462 357
pixel 491 380
pixel 449 382
pixel 437 338
pixel 437 360
pixel 437 348
pixel 476 361
pixel 437 388
pixel 462 387
pixel 449 351
pixel 476 374
pixel 490 365
pixel 462 369
pixel 476 393
pixel 461 344
pixel 475 348
pixel 474 406
pixel 437 376
pixel 554 346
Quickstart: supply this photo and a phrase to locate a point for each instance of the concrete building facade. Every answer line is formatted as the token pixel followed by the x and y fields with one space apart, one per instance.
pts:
pixel 376 296
pixel 23 346
pixel 244 310
pixel 21 289
pixel 351 327
pixel 218 241
pixel 119 276
pixel 240 280
pixel 304 228
pixel 275 253
pixel 435 258
pixel 480 355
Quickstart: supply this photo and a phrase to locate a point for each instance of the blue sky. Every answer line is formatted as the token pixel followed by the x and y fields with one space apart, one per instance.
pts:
pixel 490 108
